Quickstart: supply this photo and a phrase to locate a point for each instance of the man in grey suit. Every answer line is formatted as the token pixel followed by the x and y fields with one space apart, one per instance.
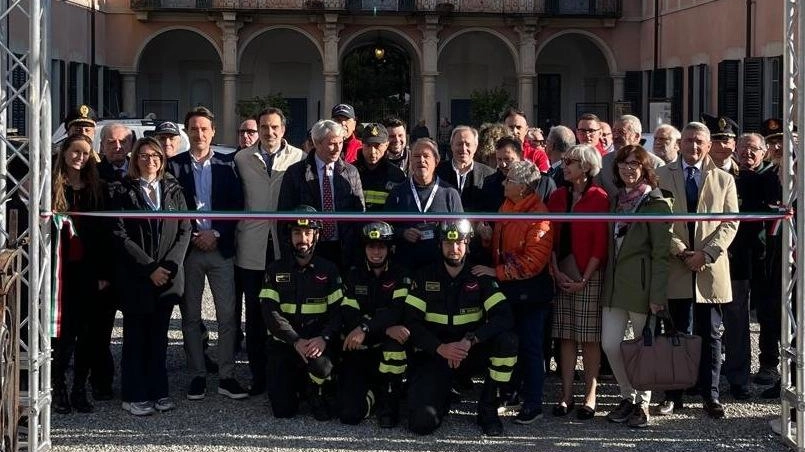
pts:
pixel 261 167
pixel 699 270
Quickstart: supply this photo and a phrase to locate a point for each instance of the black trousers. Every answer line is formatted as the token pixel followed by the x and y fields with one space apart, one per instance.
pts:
pixel 102 366
pixel 737 343
pixel 256 329
pixel 144 375
pixel 769 307
pixel 368 376
pixel 78 298
pixel 431 376
pixel 702 320
pixel 288 376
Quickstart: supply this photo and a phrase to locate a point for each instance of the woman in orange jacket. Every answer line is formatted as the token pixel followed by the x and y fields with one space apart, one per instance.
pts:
pixel 521 250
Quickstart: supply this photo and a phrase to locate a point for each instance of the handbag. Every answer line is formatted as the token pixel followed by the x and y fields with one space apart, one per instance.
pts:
pixel 662 361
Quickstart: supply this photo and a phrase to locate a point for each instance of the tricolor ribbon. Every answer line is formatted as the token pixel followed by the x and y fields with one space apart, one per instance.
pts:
pixel 60 221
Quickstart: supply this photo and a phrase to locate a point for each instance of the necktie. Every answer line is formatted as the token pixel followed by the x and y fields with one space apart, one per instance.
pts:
pixel 152 194
pixel 327 205
pixel 268 159
pixel 691 189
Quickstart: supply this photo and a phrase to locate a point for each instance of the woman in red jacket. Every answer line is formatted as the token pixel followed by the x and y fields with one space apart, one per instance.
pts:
pixel 521 251
pixel 579 254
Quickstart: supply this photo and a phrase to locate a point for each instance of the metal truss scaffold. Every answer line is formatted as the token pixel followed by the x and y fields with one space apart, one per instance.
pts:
pixel 25 92
pixel 792 346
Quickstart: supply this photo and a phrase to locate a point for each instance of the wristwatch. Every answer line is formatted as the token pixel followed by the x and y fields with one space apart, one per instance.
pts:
pixel 364 328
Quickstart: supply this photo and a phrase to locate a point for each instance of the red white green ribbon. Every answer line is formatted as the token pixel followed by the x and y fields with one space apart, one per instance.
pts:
pixel 60 221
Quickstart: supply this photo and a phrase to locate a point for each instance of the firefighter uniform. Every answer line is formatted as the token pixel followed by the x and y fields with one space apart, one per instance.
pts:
pixel 300 302
pixel 377 182
pixel 373 303
pixel 442 309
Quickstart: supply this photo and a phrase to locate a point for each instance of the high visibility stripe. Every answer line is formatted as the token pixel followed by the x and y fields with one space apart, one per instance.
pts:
pixel 307 308
pixel 501 377
pixel 416 302
pixel 351 302
pixel 315 379
pixel 463 319
pixel 436 318
pixel 391 369
pixel 335 296
pixel 314 308
pixel 499 362
pixel 493 300
pixel 394 356
pixel 399 293
pixel 375 197
pixel 370 402
pixel 271 294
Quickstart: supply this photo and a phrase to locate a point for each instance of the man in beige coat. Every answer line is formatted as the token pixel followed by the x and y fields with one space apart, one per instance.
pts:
pixel 261 167
pixel 699 273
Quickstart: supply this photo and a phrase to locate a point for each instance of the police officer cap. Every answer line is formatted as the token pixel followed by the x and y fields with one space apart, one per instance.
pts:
pixel 305 222
pixel 378 231
pixel 721 127
pixel 83 114
pixel 773 128
pixel 455 230
pixel 375 133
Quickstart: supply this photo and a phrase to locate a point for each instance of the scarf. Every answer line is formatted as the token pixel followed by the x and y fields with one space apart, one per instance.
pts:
pixel 628 202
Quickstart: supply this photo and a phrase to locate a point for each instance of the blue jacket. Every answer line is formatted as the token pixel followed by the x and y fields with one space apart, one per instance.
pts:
pixel 226 193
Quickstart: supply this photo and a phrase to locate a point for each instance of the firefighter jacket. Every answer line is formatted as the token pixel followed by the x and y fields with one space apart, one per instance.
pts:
pixel 376 301
pixel 441 309
pixel 302 301
pixel 377 183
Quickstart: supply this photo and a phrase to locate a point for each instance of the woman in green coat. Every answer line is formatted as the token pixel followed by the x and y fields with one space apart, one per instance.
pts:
pixel 637 273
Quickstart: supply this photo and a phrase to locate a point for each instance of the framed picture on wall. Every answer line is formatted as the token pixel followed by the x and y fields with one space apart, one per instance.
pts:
pixel 600 109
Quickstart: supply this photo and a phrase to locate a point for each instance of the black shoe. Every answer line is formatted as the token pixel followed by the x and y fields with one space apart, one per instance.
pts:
pixel 210 365
pixel 102 393
pixel 78 398
pixel 740 392
pixel 490 422
pixel 773 392
pixel 560 410
pixel 197 389
pixel 714 409
pixel 319 406
pixel 231 388
pixel 585 413
pixel 528 415
pixel 61 403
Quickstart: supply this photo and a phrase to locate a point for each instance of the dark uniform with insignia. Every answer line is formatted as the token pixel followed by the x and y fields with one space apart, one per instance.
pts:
pixel 373 302
pixel 441 309
pixel 300 302
pixel 377 182
pixel 82 120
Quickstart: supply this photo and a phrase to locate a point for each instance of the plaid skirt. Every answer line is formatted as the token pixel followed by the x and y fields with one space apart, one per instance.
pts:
pixel 577 316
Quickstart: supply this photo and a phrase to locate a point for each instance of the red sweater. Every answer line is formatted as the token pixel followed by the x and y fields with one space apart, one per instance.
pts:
pixel 587 239
pixel 536 156
pixel 352 146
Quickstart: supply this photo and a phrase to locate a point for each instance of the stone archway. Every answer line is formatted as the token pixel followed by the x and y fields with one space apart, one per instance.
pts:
pixel 573 77
pixel 177 70
pixel 377 71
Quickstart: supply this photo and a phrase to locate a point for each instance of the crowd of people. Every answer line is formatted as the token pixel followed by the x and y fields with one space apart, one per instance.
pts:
pixel 353 317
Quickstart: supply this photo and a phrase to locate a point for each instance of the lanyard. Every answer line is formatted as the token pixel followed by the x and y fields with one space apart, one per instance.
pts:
pixel 430 198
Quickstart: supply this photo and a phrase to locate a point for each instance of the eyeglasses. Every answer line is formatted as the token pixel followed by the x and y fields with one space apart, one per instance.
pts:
pixel 569 161
pixel 633 165
pixel 249 131
pixel 150 157
pixel 754 149
pixel 588 131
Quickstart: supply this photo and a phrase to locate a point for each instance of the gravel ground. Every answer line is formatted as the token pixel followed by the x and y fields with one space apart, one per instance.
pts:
pixel 220 424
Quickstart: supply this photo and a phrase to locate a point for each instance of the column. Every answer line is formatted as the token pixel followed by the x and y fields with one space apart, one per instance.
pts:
pixel 526 70
pixel 617 86
pixel 227 126
pixel 430 60
pixel 330 29
pixel 130 93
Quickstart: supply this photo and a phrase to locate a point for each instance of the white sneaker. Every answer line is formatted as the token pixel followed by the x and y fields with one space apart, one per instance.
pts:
pixel 139 408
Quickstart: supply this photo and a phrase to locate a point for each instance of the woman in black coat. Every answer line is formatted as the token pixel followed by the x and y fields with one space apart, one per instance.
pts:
pixel 150 274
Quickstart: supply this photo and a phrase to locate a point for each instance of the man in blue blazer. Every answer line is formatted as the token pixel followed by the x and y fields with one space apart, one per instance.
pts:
pixel 210 183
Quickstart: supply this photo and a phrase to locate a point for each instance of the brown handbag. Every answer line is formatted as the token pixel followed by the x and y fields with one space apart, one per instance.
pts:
pixel 662 361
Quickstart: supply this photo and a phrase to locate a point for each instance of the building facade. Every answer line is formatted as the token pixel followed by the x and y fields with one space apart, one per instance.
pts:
pixel 418 59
